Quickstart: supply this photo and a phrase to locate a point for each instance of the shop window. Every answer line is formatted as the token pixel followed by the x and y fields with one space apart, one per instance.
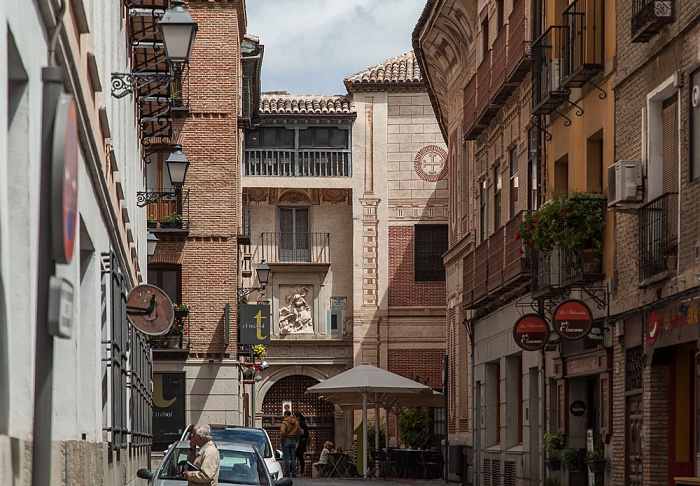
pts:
pixel 430 245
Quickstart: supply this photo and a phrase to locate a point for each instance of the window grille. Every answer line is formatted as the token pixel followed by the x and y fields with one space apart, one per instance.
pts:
pixel 635 368
pixel 430 244
pixel 141 395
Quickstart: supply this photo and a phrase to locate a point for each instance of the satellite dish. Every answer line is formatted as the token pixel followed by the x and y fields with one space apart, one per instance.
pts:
pixel 150 310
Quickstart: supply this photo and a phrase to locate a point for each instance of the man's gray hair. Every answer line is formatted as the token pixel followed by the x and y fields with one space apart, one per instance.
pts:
pixel 204 431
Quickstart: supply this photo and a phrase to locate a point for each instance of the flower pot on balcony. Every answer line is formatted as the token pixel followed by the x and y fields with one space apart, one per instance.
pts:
pixel 597 466
pixel 553 464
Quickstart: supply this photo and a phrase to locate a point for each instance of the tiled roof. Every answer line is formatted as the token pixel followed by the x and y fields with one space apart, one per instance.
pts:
pixel 399 69
pixel 282 103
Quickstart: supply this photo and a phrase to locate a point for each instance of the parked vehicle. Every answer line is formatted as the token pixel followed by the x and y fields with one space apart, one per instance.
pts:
pixel 241 464
pixel 245 435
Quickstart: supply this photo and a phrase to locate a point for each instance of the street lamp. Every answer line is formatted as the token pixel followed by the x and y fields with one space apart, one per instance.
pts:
pixel 263 272
pixel 178 31
pixel 151 242
pixel 177 170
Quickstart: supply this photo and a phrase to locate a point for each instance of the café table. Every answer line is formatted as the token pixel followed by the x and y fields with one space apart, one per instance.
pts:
pixel 407 462
pixel 339 463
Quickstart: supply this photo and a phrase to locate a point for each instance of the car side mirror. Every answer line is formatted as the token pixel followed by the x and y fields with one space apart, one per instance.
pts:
pixel 284 482
pixel 145 474
pixel 278 455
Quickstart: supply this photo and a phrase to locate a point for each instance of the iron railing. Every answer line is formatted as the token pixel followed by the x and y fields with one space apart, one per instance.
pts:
pixel 549 55
pixel 296 247
pixel 585 42
pixel 301 163
pixel 658 236
pixel 244 228
pixel 161 212
pixel 650 16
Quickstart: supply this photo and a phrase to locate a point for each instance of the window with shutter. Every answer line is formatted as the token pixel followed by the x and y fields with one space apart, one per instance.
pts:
pixel 294 235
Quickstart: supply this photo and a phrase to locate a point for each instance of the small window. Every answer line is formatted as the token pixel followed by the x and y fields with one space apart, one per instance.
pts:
pixel 430 245
pixel 286 138
pixel 168 278
pixel 498 181
pixel 513 205
pixel 305 138
pixel 270 137
pixel 335 322
pixel 340 138
pixel 322 137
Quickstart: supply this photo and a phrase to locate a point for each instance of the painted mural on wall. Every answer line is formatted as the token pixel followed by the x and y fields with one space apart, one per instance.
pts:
pixel 296 316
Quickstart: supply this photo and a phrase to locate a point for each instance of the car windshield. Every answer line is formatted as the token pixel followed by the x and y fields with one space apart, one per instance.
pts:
pixel 237 467
pixel 254 437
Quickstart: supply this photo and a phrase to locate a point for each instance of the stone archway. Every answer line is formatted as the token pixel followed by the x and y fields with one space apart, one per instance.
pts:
pixel 320 414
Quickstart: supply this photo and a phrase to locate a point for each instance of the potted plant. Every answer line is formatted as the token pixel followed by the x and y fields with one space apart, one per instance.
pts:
pixel 181 310
pixel 250 373
pixel 596 460
pixel 573 223
pixel 259 351
pixel 413 427
pixel 172 221
pixel 151 222
pixel 553 444
pixel 571 459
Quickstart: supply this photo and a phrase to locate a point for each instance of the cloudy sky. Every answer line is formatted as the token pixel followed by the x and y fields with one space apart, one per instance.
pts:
pixel 312 45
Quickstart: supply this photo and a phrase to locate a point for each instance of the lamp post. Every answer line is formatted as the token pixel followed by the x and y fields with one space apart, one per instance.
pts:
pixel 177 170
pixel 178 31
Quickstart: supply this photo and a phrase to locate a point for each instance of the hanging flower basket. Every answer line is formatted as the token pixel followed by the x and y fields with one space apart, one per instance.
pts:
pixel 553 464
pixel 181 310
pixel 259 351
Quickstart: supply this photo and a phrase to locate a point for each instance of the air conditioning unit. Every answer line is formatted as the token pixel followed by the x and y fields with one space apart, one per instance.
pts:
pixel 625 182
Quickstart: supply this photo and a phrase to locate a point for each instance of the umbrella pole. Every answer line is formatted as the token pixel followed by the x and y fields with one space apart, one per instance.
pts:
pixel 364 433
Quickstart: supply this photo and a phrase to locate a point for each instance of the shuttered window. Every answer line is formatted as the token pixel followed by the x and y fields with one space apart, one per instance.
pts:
pixel 294 235
pixel 430 244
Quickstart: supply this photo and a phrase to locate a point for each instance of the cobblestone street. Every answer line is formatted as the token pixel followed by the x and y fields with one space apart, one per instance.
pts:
pixel 365 482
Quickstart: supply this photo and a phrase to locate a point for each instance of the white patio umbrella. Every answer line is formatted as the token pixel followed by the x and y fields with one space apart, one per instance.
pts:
pixel 372 384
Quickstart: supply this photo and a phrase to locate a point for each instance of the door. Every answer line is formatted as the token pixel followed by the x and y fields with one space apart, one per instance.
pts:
pixel 633 435
pixel 294 235
pixel 682 412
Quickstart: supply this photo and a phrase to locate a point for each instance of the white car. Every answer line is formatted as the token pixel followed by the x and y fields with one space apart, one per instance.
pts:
pixel 240 464
pixel 246 435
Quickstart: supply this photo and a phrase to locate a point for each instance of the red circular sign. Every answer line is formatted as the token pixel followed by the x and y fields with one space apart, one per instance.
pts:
pixel 64 179
pixel 654 329
pixel 573 319
pixel 531 332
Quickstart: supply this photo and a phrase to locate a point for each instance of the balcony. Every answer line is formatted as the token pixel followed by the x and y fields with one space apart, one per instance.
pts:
pixel 468 279
pixel 481 267
pixel 299 247
pixel 297 163
pixel 170 214
pixel 519 60
pixel 585 42
pixel 243 235
pixel 549 54
pixel 658 237
pixel 469 126
pixel 174 345
pixel 496 256
pixel 650 16
pixel 486 107
pixel 500 90
pixel 518 267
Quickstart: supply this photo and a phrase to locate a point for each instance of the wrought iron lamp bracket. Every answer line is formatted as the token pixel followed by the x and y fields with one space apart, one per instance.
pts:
pixel 126 83
pixel 243 291
pixel 144 198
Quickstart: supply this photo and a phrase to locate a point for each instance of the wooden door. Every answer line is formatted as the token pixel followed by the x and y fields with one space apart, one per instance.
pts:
pixel 682 414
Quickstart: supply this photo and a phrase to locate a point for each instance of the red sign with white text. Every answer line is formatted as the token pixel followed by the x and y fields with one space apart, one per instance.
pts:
pixel 573 319
pixel 531 332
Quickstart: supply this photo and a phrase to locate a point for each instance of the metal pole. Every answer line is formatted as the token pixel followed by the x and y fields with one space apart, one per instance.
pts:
pixel 540 310
pixel 46 268
pixel 252 402
pixel 445 367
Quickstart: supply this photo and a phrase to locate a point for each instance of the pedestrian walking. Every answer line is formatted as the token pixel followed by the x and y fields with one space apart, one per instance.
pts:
pixel 289 433
pixel 204 455
pixel 303 441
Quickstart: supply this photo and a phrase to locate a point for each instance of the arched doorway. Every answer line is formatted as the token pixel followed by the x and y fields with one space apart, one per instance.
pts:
pixel 320 414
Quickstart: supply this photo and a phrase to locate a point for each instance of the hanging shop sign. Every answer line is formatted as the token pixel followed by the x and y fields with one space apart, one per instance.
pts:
pixel 577 408
pixel 573 319
pixel 531 332
pixel 254 327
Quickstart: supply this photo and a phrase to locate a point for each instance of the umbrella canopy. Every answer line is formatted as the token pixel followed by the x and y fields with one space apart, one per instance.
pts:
pixel 372 385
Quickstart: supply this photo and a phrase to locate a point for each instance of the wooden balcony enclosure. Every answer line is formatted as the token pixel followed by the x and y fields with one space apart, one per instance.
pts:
pixel 519 59
pixel 470 128
pixel 650 16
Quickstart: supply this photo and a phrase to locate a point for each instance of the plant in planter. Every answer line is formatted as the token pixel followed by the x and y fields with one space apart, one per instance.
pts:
pixel 181 310
pixel 553 444
pixel 259 351
pixel 573 223
pixel 151 222
pixel 571 459
pixel 172 221
pixel 596 460
pixel 413 427
pixel 250 372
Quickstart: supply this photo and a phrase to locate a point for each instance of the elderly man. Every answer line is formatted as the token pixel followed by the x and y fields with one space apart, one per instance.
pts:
pixel 205 456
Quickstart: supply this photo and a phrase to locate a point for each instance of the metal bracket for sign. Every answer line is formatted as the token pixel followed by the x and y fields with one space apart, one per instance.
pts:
pixel 599 294
pixel 245 350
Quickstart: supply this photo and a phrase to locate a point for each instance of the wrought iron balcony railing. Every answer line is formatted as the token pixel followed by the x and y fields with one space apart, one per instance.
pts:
pixel 169 212
pixel 650 16
pixel 549 55
pixel 658 236
pixel 584 22
pixel 244 228
pixel 301 163
pixel 299 247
